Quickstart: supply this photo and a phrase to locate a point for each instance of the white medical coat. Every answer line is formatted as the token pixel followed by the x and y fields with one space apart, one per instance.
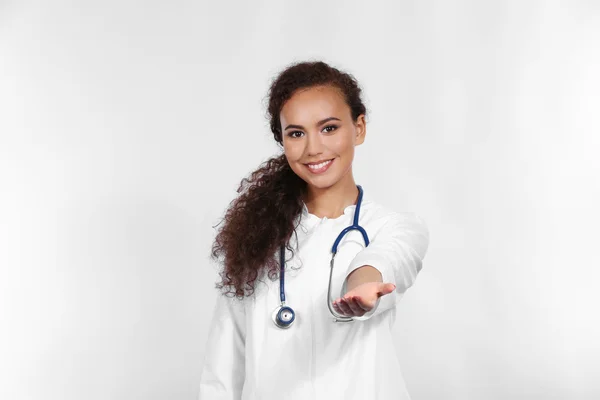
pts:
pixel 248 357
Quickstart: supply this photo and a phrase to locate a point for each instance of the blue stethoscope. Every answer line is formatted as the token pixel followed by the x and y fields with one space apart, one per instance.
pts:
pixel 283 315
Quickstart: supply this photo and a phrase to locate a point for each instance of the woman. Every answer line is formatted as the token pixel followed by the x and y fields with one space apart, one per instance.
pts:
pixel 295 206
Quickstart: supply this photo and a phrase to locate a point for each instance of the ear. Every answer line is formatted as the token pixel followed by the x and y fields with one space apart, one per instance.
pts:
pixel 361 129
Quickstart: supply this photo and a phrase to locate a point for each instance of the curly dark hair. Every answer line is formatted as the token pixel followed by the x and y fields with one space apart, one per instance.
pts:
pixel 261 219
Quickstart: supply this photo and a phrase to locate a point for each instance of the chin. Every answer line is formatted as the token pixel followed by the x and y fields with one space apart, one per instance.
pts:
pixel 319 183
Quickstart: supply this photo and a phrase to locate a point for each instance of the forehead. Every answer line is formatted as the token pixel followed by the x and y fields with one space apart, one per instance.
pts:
pixel 314 103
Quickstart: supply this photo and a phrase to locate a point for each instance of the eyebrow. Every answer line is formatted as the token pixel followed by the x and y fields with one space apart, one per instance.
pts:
pixel 321 122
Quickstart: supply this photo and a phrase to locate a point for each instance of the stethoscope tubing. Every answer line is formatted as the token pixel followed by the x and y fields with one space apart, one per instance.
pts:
pixel 337 317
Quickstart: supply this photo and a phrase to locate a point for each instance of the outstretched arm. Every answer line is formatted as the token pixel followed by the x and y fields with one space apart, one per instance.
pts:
pixel 383 271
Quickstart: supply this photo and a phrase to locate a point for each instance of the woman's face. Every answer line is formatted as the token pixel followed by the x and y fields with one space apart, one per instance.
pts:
pixel 317 126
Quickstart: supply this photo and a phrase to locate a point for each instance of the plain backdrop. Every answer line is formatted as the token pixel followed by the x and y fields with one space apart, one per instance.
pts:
pixel 126 127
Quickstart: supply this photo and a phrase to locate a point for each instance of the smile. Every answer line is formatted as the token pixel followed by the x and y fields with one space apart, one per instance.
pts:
pixel 320 168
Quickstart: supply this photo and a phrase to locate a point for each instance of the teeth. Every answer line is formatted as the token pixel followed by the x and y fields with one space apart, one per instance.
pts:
pixel 319 166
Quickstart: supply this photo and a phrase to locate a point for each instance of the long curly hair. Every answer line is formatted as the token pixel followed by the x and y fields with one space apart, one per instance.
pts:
pixel 262 218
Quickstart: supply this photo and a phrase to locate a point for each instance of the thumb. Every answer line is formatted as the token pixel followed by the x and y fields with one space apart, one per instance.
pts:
pixel 386 288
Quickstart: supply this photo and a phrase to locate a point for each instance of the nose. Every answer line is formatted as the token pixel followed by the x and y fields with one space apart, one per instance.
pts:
pixel 314 143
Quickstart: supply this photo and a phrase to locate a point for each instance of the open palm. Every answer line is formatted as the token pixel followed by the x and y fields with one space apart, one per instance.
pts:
pixel 362 298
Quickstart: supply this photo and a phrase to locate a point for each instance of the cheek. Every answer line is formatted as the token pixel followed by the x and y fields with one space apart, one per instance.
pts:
pixel 341 144
pixel 292 152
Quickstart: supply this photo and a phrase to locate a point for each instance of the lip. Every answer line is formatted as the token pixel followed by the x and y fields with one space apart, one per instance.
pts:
pixel 319 162
pixel 322 170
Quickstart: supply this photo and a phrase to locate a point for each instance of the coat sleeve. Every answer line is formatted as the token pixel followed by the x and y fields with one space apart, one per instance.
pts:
pixel 223 373
pixel 397 251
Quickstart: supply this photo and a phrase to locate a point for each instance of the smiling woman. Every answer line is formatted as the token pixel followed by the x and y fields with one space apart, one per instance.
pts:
pixel 324 146
pixel 291 211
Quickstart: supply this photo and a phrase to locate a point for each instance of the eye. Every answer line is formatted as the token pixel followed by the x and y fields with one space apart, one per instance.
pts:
pixel 291 134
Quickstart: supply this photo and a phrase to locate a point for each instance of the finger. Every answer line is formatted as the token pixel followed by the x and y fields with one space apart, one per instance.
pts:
pixel 343 304
pixel 355 307
pixel 386 288
pixel 337 308
pixel 361 304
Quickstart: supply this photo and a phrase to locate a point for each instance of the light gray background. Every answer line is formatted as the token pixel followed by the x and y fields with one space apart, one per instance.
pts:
pixel 125 128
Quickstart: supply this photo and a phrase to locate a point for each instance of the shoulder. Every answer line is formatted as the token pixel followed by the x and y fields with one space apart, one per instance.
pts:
pixel 378 214
pixel 386 223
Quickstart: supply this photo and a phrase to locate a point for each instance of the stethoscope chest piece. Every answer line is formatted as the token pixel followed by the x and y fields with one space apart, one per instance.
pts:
pixel 283 316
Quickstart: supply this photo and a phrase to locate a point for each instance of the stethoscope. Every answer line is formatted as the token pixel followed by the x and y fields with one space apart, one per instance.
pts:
pixel 283 315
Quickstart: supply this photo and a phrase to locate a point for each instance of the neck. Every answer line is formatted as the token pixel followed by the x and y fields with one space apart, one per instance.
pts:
pixel 331 202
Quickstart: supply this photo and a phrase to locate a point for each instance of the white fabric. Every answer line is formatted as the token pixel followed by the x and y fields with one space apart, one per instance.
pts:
pixel 249 358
